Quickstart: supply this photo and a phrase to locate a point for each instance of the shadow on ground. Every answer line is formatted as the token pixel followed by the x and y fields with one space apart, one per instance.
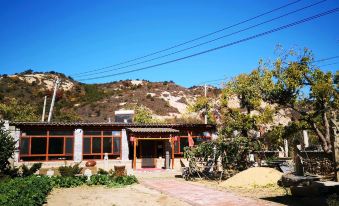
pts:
pixel 297 201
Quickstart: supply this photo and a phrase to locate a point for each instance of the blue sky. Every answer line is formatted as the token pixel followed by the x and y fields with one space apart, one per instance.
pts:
pixel 78 35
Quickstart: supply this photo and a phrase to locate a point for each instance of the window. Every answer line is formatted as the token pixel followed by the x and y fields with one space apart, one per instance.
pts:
pixel 182 141
pixel 38 145
pixel 44 145
pixel 87 146
pixel 24 148
pixel 107 145
pixel 56 146
pixel 97 143
pixel 116 144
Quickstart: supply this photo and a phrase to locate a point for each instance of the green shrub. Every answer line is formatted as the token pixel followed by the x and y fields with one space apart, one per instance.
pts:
pixel 112 181
pixel 68 171
pixel 7 145
pixel 31 190
pixel 30 171
pixel 67 182
pixel 102 172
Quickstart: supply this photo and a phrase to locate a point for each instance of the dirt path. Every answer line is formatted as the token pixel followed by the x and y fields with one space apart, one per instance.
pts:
pixel 199 195
pixel 101 196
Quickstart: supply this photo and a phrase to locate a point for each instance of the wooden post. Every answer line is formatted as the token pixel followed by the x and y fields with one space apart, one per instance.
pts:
pixel 172 145
pixel 135 153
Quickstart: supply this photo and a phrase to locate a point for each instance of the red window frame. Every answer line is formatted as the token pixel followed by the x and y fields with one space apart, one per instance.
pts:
pixel 46 155
pixel 177 142
pixel 87 156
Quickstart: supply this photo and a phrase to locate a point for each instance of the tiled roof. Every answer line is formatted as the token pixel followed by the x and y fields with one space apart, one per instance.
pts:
pixel 107 124
pixel 152 130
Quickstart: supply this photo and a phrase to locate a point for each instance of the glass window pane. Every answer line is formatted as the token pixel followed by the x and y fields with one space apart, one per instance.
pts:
pixel 69 145
pixel 56 146
pixel 35 132
pixel 116 133
pixel 61 132
pixel 116 145
pixel 87 146
pixel 24 146
pixel 38 145
pixel 96 145
pixel 107 145
pixel 199 140
pixel 183 144
pixel 107 133
pixel 89 132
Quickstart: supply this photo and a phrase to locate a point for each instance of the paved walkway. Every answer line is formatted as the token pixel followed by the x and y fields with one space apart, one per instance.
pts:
pixel 199 195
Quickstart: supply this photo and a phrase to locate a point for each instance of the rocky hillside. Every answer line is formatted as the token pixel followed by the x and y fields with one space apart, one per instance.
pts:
pixel 97 102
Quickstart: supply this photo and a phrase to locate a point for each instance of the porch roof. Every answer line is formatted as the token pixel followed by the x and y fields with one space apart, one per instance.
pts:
pixel 152 130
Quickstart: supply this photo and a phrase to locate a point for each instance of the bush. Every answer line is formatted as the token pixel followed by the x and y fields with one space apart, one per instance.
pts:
pixel 30 171
pixel 7 145
pixel 102 172
pixel 67 182
pixel 31 190
pixel 69 171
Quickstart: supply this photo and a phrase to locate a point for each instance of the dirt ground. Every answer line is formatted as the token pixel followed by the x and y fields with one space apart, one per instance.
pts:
pixel 101 196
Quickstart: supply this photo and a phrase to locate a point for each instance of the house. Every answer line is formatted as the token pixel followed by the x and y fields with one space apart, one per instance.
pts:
pixel 133 145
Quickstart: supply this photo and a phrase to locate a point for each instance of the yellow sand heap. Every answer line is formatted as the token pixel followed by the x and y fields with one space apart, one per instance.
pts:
pixel 253 177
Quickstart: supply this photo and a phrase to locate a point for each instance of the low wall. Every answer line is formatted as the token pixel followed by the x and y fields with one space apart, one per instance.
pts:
pixel 317 163
pixel 100 164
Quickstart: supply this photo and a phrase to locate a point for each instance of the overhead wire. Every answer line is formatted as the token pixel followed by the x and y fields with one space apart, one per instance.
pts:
pixel 222 46
pixel 210 41
pixel 190 41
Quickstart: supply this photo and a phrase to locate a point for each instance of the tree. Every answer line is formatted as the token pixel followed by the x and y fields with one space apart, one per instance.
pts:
pixel 249 112
pixel 143 115
pixel 202 106
pixel 14 111
pixel 7 147
pixel 311 93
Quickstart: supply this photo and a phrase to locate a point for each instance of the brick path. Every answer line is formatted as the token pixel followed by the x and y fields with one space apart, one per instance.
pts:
pixel 199 195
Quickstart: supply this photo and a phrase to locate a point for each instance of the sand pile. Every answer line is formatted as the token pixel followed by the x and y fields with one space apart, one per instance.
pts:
pixel 253 177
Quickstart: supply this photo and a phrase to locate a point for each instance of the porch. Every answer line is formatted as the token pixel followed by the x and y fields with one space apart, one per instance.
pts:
pixel 152 147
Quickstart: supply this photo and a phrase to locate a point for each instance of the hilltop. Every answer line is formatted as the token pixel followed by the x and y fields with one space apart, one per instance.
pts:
pixel 97 102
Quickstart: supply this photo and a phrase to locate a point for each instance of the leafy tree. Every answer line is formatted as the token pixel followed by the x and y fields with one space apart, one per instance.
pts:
pixel 15 111
pixel 309 92
pixel 7 147
pixel 203 106
pixel 249 91
pixel 143 115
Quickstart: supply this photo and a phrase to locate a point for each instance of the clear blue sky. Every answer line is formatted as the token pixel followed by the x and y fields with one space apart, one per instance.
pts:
pixel 78 35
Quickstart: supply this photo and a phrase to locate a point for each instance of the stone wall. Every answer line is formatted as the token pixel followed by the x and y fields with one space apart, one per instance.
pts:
pixel 317 163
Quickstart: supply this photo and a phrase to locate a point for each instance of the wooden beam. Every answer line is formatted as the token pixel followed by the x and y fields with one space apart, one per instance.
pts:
pixel 135 153
pixel 152 138
pixel 172 145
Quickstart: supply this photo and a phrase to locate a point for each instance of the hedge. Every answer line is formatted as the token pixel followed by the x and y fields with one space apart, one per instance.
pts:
pixel 33 190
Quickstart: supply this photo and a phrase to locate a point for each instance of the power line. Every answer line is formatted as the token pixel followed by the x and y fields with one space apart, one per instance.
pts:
pixel 324 65
pixel 192 40
pixel 207 42
pixel 223 46
pixel 325 59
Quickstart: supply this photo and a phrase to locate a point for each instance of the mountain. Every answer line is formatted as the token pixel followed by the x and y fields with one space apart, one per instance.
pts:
pixel 97 102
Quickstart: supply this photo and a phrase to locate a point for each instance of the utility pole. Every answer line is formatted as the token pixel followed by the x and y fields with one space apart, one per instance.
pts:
pixel 44 110
pixel 57 81
pixel 206 105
